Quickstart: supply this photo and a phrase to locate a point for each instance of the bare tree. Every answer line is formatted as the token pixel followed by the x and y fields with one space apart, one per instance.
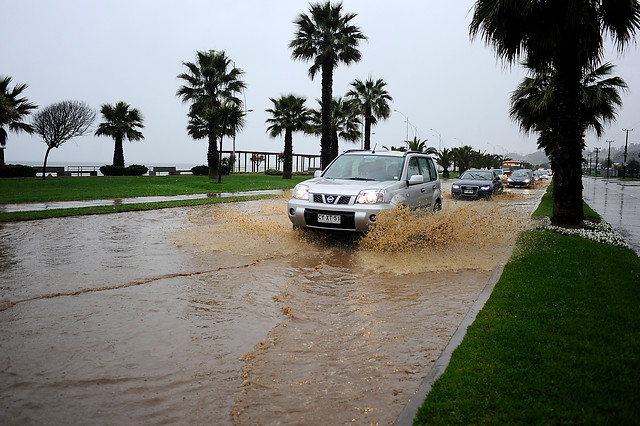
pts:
pixel 60 122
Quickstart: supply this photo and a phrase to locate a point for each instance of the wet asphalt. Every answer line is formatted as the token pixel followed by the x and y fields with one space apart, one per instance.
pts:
pixel 618 203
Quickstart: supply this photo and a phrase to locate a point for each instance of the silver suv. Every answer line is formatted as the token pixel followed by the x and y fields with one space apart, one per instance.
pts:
pixel 358 184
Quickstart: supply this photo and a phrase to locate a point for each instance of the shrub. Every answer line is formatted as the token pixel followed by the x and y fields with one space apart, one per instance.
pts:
pixel 112 170
pixel 225 169
pixel 273 172
pixel 132 170
pixel 17 170
pixel 200 170
pixel 136 170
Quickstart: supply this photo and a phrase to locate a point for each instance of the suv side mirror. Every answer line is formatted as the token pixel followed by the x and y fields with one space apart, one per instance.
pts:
pixel 317 173
pixel 416 179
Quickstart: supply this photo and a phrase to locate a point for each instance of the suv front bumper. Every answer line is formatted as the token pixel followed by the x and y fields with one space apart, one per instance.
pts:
pixel 353 217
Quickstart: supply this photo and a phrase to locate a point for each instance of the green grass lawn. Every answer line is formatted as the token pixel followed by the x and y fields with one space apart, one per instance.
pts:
pixel 26 190
pixel 557 342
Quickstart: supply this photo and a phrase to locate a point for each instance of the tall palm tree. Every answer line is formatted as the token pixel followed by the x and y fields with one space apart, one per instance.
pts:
pixel 14 109
pixel 568 37
pixel 326 37
pixel 534 100
pixel 120 122
pixel 345 122
pixel 209 83
pixel 373 101
pixel 463 155
pixel 444 158
pixel 288 115
pixel 228 119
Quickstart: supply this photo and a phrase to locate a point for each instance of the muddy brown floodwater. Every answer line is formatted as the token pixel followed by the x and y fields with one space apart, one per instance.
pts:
pixel 223 314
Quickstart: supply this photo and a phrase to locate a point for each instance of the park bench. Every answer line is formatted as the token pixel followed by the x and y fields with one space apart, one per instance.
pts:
pixel 82 170
pixel 58 170
pixel 155 170
pixel 171 171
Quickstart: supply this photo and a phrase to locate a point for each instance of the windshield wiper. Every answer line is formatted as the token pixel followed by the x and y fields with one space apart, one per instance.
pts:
pixel 358 178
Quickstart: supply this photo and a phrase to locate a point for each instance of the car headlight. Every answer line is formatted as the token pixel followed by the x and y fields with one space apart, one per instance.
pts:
pixel 370 196
pixel 526 181
pixel 454 186
pixel 300 192
pixel 485 188
pixel 509 180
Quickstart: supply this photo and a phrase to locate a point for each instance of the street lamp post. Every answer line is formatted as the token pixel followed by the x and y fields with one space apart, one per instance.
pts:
pixel 624 165
pixel 233 154
pixel 609 158
pixel 407 120
pixel 439 139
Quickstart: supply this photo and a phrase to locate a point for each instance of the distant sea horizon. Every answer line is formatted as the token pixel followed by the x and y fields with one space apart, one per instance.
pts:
pixel 179 166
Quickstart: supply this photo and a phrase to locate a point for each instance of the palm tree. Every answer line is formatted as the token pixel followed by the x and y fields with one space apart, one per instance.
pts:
pixel 120 122
pixel 13 111
pixel 373 101
pixel 228 119
pixel 288 114
pixel 211 82
pixel 534 100
pixel 444 158
pixel 345 122
pixel 326 37
pixel 463 156
pixel 568 37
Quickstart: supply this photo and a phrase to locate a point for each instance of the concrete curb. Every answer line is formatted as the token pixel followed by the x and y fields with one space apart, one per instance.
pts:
pixel 411 409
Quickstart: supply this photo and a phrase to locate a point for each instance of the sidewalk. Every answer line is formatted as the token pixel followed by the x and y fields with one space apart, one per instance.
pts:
pixel 618 202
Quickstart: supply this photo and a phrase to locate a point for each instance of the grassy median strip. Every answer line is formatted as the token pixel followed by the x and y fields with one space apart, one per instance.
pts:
pixel 558 341
pixel 28 190
pixel 47 214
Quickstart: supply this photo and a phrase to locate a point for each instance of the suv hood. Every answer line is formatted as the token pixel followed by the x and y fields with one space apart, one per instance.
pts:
pixel 345 186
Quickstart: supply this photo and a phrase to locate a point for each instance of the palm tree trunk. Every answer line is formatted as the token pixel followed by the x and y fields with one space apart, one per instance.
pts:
pixel 326 154
pixel 118 152
pixel 288 154
pixel 212 156
pixel 44 165
pixel 220 161
pixel 567 179
pixel 367 128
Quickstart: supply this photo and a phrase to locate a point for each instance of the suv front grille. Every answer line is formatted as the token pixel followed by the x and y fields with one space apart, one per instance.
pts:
pixel 331 199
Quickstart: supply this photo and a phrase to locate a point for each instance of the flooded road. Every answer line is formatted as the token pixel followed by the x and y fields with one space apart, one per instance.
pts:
pixel 222 314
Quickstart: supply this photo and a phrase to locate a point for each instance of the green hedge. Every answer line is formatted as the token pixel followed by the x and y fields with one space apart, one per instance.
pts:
pixel 200 170
pixel 132 170
pixel 17 170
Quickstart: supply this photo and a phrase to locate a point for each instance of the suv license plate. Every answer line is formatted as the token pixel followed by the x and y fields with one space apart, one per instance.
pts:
pixel 329 218
pixel 468 191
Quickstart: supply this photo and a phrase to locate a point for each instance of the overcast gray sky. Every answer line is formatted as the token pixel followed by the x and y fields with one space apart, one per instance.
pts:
pixel 453 91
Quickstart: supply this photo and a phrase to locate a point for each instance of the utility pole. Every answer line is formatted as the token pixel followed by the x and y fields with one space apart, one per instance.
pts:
pixel 597 150
pixel 609 158
pixel 626 142
pixel 589 168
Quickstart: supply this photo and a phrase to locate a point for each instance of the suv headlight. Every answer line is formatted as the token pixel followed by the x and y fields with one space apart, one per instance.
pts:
pixel 300 192
pixel 370 196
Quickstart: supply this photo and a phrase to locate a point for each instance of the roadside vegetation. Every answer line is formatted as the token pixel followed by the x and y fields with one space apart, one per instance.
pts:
pixel 558 341
pixel 30 190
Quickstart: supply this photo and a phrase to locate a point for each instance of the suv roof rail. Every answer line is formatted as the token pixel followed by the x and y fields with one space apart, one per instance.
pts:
pixel 356 150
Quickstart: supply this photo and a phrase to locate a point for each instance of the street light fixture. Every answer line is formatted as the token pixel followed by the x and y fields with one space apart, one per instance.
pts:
pixel 233 166
pixel 407 120
pixel 439 139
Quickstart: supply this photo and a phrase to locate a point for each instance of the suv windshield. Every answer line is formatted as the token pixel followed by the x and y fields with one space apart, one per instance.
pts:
pixel 365 167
